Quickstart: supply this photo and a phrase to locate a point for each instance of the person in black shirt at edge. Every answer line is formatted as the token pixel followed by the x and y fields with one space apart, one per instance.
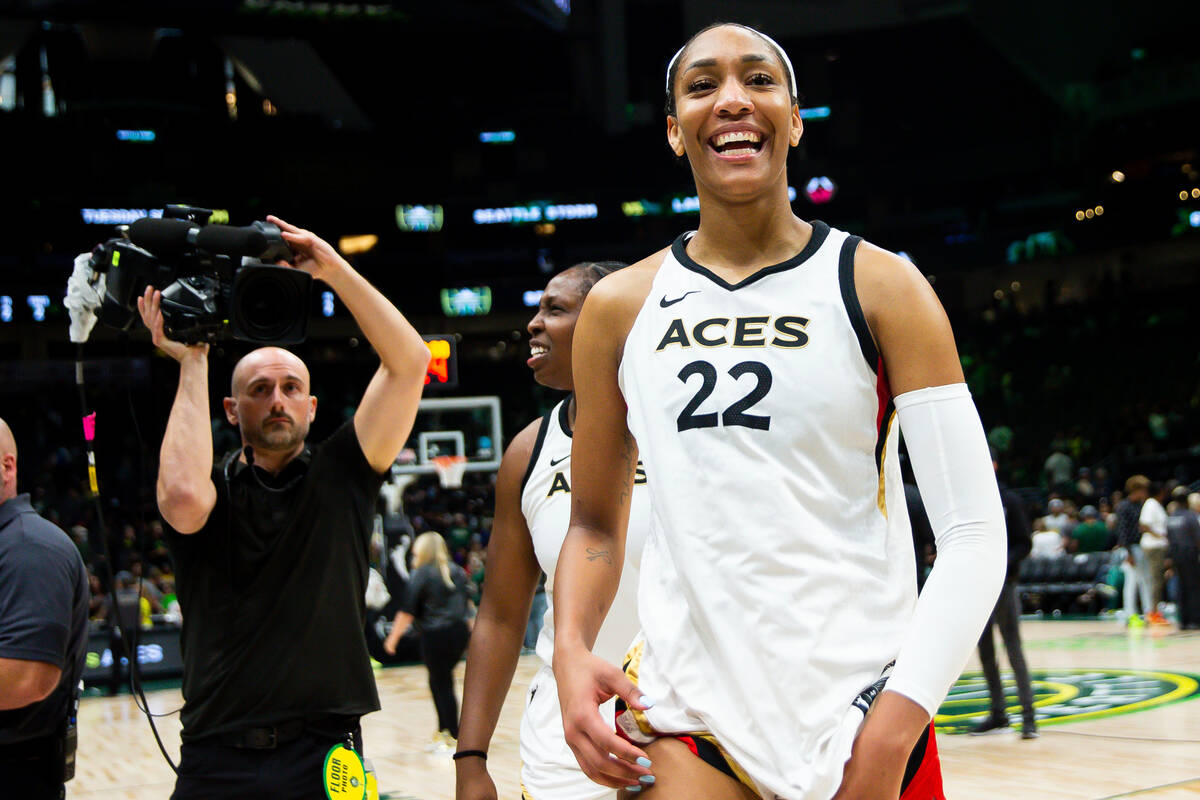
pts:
pixel 43 641
pixel 1007 617
pixel 1129 548
pixel 436 601
pixel 270 546
pixel 1183 536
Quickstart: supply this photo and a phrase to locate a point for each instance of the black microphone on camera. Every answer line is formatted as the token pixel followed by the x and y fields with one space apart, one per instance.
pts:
pixel 166 236
pixel 231 241
pixel 163 235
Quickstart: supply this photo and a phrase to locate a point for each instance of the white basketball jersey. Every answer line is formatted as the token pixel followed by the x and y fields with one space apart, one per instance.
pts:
pixel 546 504
pixel 778 577
pixel 549 770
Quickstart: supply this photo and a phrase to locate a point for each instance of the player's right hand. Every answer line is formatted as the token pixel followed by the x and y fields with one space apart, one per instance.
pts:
pixel 150 307
pixel 584 682
pixel 472 781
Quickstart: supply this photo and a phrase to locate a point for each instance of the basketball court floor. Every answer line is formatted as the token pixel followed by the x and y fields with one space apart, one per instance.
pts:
pixel 1120 718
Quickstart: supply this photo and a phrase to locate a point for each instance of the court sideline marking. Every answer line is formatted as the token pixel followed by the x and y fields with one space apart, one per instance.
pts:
pixel 1136 792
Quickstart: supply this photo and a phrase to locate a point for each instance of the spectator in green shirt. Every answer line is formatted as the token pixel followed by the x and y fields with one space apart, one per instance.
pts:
pixel 1091 535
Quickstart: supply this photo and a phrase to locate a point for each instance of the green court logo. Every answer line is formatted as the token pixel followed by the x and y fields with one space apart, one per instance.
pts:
pixel 1067 695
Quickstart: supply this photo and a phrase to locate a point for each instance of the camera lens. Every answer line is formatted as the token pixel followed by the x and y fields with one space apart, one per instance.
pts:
pixel 270 304
pixel 267 305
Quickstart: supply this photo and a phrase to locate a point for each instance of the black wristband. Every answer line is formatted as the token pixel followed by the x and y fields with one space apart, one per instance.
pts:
pixel 469 753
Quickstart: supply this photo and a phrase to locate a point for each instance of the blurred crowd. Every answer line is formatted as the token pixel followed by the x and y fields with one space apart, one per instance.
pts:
pixel 1107 388
pixel 1151 529
pixel 1076 397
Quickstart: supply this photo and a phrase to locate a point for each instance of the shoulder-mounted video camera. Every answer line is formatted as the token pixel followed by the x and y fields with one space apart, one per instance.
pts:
pixel 216 280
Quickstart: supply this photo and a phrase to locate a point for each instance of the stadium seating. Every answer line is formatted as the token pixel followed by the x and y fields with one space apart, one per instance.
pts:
pixel 1059 583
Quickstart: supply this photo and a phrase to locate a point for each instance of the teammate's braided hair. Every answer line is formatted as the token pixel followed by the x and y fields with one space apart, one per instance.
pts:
pixel 592 271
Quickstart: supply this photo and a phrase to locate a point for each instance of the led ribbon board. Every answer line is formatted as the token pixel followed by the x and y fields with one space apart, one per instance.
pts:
pixel 118 216
pixel 535 212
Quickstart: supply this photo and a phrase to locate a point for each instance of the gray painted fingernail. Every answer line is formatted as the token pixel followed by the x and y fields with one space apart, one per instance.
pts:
pixel 634 788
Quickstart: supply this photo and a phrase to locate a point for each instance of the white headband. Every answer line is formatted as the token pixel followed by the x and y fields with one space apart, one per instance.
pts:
pixel 779 50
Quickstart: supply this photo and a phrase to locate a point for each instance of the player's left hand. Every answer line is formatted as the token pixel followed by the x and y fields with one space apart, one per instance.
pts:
pixel 881 750
pixel 472 781
pixel 870 776
pixel 585 681
pixel 310 252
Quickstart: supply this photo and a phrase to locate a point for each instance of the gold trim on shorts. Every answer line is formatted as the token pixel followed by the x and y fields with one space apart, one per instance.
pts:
pixel 633 660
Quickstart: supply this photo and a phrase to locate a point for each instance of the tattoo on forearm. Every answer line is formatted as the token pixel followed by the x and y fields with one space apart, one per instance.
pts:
pixel 598 555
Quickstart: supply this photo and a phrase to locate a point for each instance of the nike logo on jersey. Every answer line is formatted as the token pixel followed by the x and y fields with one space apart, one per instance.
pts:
pixel 554 461
pixel 664 302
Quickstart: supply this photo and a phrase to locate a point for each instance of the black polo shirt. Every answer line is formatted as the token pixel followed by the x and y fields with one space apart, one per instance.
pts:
pixel 43 613
pixel 272 591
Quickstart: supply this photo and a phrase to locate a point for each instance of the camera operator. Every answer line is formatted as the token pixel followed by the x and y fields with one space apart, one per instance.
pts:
pixel 43 641
pixel 270 546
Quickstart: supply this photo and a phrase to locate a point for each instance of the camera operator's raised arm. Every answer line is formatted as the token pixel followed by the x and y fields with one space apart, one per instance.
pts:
pixel 185 490
pixel 389 405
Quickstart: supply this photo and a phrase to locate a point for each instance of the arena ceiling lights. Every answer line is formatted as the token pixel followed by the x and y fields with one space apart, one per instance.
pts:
pixel 1188 220
pixel 136 135
pixel 497 137
pixel 353 245
pixel 38 304
pixel 820 190
pixel 532 297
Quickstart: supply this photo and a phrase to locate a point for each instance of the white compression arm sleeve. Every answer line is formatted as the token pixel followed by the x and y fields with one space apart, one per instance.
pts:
pixel 954 472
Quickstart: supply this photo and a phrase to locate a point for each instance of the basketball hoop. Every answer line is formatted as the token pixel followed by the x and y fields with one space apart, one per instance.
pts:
pixel 450 470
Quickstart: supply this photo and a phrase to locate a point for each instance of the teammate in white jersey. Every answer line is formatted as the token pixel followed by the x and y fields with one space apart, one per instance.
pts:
pixel 533 507
pixel 758 365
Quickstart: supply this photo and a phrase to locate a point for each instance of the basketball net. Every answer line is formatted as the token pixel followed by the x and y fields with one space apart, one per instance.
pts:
pixel 450 470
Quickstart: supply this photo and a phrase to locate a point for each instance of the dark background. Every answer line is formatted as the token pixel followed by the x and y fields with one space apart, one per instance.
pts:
pixel 967 134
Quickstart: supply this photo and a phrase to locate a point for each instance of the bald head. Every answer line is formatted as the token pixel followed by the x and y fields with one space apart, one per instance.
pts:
pixel 7 443
pixel 8 463
pixel 266 358
pixel 271 404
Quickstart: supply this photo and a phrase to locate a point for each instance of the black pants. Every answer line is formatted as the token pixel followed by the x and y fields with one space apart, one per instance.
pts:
pixel 1188 569
pixel 441 648
pixel 291 771
pixel 32 770
pixel 1006 616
